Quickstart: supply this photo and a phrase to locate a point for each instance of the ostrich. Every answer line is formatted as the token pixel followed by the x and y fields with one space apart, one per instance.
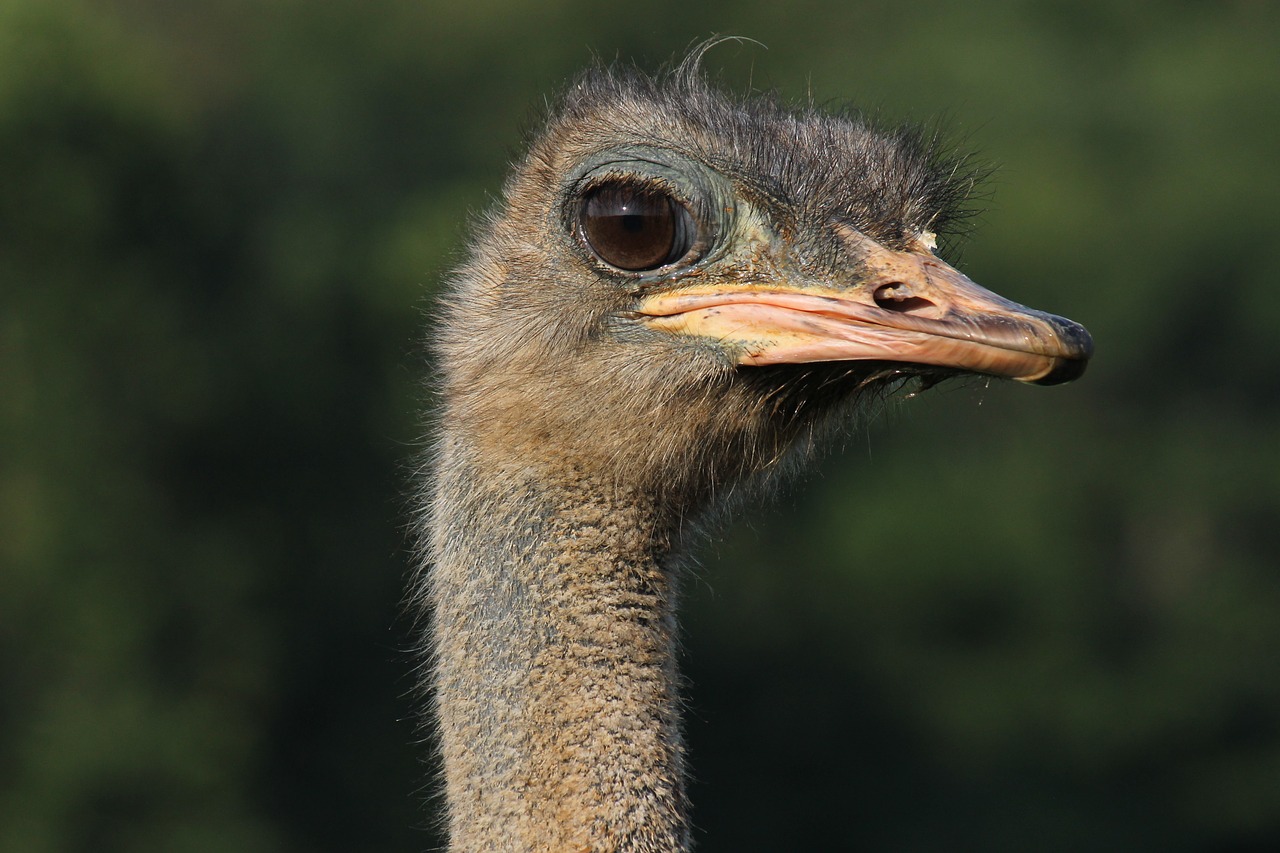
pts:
pixel 680 297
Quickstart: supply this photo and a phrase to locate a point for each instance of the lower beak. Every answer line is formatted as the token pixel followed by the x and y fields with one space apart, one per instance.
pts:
pixel 908 307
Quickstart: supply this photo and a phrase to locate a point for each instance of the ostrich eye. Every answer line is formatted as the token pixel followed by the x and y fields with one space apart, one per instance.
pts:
pixel 636 228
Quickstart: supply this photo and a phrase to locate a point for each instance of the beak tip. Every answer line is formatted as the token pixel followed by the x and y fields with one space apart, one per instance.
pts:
pixel 1078 343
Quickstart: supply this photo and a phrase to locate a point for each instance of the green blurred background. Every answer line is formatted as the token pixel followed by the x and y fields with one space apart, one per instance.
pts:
pixel 1001 619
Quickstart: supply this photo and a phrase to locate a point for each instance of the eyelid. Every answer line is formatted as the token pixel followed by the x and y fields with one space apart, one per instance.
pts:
pixel 709 198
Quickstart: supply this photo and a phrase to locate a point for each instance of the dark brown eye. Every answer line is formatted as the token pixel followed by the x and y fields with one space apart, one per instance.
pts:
pixel 634 227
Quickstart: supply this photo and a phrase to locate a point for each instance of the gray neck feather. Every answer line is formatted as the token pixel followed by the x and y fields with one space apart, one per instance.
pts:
pixel 553 638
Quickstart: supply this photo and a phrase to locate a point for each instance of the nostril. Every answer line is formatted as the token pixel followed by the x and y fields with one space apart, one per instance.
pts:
pixel 898 297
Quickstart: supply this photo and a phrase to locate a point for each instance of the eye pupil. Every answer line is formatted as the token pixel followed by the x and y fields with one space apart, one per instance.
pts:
pixel 635 228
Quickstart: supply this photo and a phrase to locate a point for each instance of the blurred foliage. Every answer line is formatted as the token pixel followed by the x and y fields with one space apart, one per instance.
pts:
pixel 1003 619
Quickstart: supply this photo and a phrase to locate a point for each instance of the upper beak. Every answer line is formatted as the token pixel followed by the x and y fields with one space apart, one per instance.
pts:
pixel 906 306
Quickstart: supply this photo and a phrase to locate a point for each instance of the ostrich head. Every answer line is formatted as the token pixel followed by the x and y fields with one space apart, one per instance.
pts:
pixel 688 289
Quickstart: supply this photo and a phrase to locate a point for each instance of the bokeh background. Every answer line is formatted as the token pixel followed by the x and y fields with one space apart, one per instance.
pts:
pixel 1002 619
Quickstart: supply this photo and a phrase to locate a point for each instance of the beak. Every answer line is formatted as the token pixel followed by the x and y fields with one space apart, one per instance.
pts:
pixel 906 306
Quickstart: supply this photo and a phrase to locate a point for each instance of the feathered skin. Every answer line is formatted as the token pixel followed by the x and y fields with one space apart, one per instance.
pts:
pixel 585 434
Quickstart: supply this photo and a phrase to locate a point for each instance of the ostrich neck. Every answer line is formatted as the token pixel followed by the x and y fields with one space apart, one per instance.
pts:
pixel 555 674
